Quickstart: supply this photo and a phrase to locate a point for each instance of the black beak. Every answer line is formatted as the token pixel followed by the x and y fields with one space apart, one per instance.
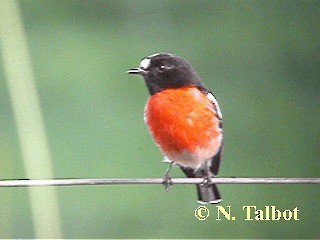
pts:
pixel 136 71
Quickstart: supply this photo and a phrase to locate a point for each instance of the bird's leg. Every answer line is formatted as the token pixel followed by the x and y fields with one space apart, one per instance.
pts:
pixel 166 178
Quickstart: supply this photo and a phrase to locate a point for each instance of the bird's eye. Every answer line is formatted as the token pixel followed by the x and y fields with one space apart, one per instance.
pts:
pixel 162 68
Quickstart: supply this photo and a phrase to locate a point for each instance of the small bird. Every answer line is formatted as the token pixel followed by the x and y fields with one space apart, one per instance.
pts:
pixel 184 119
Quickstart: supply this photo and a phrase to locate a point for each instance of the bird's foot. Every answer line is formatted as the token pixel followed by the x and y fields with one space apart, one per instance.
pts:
pixel 166 182
pixel 207 181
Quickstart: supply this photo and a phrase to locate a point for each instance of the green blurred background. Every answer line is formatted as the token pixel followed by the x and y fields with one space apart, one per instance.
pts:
pixel 260 58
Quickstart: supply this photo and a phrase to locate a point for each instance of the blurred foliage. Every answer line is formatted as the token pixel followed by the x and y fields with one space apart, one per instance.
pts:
pixel 261 59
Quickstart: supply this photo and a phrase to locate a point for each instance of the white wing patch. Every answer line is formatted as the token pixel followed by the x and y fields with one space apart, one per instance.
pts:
pixel 214 100
pixel 145 63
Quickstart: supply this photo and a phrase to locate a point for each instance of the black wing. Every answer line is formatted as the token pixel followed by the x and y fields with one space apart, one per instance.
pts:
pixel 216 159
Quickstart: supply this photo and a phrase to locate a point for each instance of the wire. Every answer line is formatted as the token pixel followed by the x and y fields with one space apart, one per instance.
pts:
pixel 131 181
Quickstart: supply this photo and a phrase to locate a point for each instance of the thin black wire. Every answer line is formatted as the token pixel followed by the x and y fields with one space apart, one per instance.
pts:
pixel 131 181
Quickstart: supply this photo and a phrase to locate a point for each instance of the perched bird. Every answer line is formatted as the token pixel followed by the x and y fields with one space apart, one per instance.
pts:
pixel 184 119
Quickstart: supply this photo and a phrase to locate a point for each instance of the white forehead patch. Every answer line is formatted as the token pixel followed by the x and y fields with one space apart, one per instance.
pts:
pixel 215 102
pixel 145 63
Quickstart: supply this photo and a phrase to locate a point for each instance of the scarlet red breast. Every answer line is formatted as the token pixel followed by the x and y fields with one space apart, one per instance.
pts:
pixel 184 124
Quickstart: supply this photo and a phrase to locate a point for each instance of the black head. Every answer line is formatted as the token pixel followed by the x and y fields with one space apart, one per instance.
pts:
pixel 162 71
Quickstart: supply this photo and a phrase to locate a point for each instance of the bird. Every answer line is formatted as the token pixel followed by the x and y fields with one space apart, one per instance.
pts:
pixel 184 119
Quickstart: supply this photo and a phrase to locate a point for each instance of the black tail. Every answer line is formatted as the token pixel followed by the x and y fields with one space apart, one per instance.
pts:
pixel 207 193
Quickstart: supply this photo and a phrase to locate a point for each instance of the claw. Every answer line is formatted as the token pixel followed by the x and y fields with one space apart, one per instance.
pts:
pixel 207 181
pixel 166 182
pixel 167 179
